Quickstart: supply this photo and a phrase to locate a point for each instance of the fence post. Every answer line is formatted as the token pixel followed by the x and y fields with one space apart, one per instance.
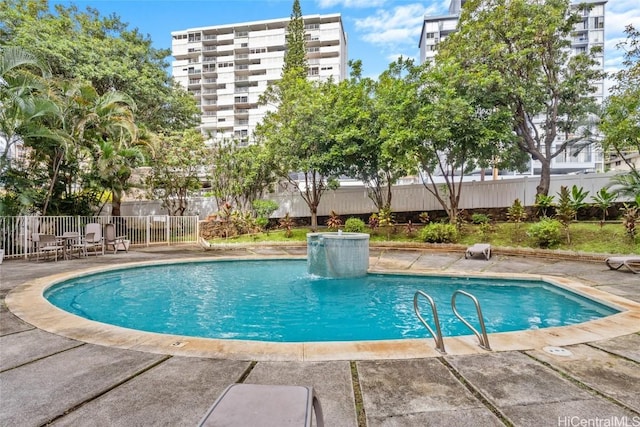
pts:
pixel 25 232
pixel 168 230
pixel 148 230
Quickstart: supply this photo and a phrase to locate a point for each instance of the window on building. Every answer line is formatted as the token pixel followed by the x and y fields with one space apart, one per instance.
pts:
pixel 241 99
pixel 314 71
pixel 598 22
pixel 431 35
pixel 194 37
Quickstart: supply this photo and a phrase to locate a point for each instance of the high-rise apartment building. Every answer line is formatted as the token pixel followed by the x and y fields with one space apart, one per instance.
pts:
pixel 227 67
pixel 587 34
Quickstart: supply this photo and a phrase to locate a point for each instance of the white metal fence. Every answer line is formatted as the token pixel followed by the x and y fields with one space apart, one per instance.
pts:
pixel 16 232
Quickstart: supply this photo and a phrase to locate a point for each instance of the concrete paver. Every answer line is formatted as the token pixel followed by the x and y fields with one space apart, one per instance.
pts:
pixel 18 349
pixel 45 389
pixel 529 393
pixel 416 392
pixel 616 377
pixel 176 392
pixel 626 346
pixel 47 377
pixel 11 324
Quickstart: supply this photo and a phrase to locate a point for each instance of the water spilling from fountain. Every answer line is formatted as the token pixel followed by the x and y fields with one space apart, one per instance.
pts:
pixel 338 254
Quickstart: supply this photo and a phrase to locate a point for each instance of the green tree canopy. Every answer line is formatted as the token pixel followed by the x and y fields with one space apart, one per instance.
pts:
pixel 524 48
pixel 453 130
pixel 366 117
pixel 176 169
pixel 239 175
pixel 620 122
pixel 103 51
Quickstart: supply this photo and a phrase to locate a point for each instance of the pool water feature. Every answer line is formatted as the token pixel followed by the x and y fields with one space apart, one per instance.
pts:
pixel 278 301
pixel 338 254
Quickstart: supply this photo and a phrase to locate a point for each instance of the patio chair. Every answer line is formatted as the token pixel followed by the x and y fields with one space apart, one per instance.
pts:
pixel 97 242
pixel 86 242
pixel 116 242
pixel 631 262
pixel 264 405
pixel 47 244
pixel 478 249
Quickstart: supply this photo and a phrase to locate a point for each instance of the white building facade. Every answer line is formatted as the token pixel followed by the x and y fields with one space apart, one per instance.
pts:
pixel 226 68
pixel 587 34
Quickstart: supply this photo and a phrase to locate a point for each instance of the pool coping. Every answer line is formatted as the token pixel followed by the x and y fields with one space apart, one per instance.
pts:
pixel 28 303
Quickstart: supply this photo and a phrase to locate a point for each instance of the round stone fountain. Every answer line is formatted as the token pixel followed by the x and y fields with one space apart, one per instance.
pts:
pixel 338 254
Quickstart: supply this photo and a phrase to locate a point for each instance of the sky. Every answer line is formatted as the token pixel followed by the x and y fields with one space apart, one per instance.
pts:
pixel 378 31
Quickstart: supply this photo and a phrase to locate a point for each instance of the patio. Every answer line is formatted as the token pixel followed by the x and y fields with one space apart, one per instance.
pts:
pixel 49 379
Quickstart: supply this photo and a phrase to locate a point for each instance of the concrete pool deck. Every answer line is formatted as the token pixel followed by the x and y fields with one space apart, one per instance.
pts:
pixel 46 378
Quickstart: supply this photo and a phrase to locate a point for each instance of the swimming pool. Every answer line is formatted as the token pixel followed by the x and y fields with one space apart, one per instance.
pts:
pixel 276 300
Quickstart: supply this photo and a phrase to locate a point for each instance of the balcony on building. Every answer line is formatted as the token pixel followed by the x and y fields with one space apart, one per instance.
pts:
pixel 194 37
pixel 209 82
pixel 209 70
pixel 210 94
pixel 208 39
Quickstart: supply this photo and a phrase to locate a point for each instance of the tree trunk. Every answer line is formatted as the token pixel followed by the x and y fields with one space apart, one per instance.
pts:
pixel 116 200
pixel 314 218
pixel 545 178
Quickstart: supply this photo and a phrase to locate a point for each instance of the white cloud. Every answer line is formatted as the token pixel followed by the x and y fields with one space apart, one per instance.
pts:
pixel 618 14
pixel 391 27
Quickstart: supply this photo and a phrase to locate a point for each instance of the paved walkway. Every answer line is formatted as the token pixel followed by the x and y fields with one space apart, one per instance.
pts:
pixel 48 379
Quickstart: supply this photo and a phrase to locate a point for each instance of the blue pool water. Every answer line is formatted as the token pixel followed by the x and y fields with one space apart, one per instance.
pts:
pixel 277 300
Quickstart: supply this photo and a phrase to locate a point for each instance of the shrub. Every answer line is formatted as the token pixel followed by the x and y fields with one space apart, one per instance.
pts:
pixel 543 203
pixel 385 218
pixel 439 233
pixel 546 233
pixel 410 229
pixel 334 222
pixel 517 215
pixel 565 211
pixel 354 225
pixel 287 223
pixel 516 212
pixel 604 200
pixel 479 218
pixel 423 217
pixel 630 219
pixel 374 222
pixel 577 199
pixel 263 210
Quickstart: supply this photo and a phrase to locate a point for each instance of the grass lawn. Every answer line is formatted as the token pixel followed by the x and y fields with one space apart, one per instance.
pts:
pixel 585 237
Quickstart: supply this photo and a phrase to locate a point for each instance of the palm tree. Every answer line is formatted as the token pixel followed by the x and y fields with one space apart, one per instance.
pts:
pixel 21 98
pixel 24 108
pixel 100 130
pixel 626 184
pixel 114 167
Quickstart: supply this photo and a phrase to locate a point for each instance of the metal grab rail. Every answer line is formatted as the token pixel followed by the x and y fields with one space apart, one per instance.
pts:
pixel 484 340
pixel 437 336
